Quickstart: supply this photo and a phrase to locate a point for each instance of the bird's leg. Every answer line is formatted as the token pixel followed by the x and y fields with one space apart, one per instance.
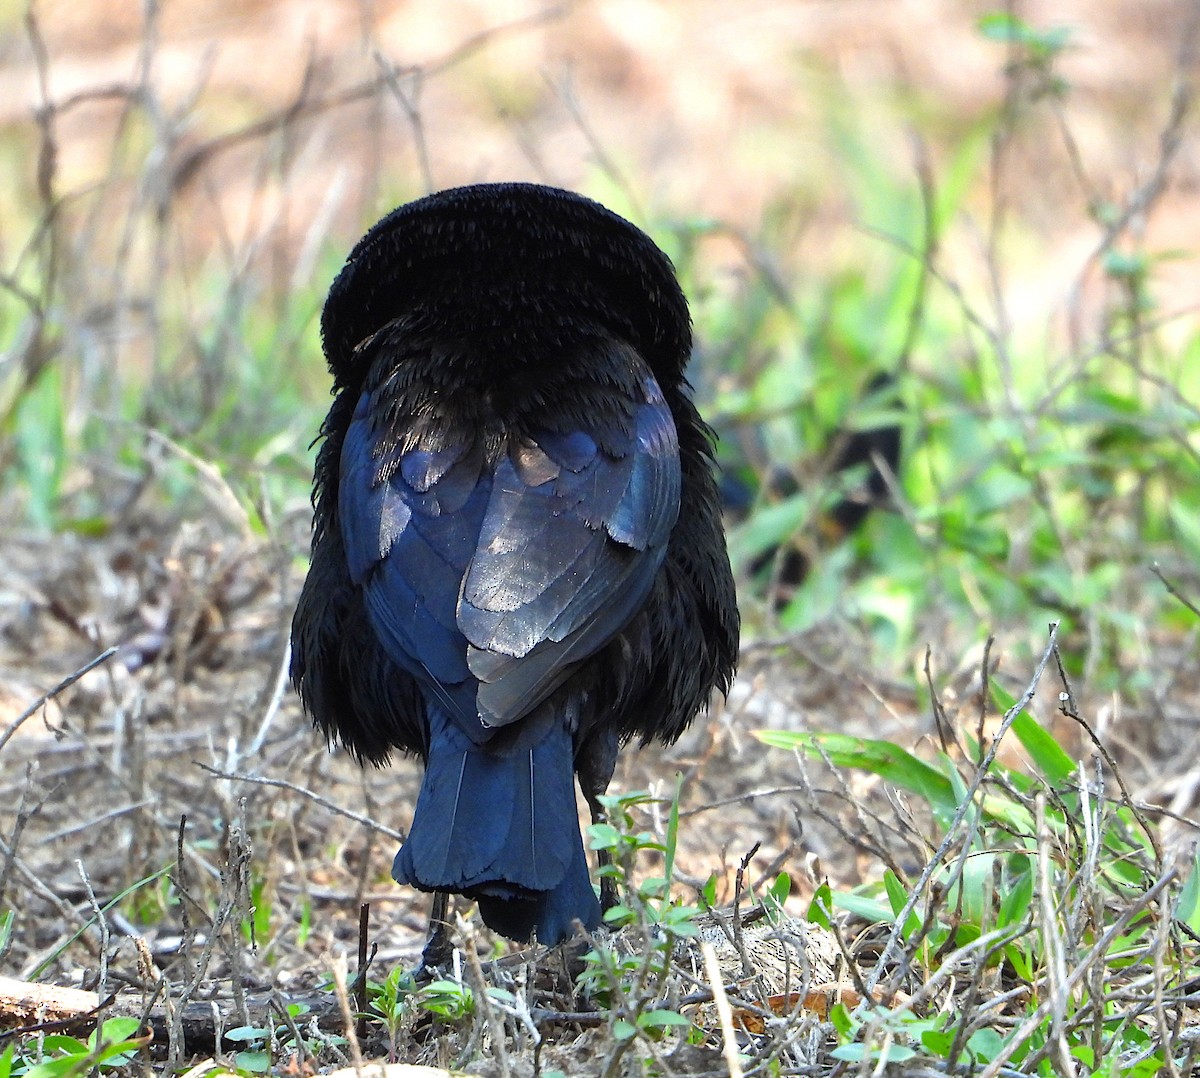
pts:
pixel 608 886
pixel 438 948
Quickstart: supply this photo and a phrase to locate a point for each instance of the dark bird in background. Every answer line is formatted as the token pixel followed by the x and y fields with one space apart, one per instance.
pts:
pixel 517 559
pixel 871 455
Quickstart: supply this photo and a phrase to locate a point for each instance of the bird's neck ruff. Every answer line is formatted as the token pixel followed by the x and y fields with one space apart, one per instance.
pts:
pixel 507 266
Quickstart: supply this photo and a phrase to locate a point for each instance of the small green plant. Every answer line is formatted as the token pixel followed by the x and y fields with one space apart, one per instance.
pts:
pixel 448 1000
pixel 108 1048
pixel 149 905
pixel 256 928
pixel 647 901
pixel 631 981
pixel 266 1046
pixel 775 896
pixel 255 1057
pixel 1044 888
pixel 114 902
pixel 399 1002
pixel 892 1039
pixel 393 1000
pixel 1035 48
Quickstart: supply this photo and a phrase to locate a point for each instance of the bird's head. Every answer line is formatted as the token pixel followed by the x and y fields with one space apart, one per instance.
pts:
pixel 508 262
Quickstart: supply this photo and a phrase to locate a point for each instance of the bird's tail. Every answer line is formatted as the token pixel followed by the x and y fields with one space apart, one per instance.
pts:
pixel 503 829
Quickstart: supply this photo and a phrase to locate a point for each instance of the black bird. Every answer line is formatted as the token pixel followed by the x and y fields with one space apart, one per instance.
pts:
pixel 517 554
pixel 874 451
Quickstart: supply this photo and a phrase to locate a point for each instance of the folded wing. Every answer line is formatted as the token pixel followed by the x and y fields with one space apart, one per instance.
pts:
pixel 489 582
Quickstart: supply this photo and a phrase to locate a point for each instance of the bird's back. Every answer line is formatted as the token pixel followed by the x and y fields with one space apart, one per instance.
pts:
pixel 517 529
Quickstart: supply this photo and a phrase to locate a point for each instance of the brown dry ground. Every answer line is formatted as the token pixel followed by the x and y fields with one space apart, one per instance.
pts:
pixel 708 105
pixel 100 779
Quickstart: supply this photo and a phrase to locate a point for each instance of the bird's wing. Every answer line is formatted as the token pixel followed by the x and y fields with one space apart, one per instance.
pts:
pixel 489 585
pixel 575 530
pixel 409 521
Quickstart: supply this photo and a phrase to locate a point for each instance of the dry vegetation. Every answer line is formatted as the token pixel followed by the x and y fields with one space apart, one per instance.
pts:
pixel 178 184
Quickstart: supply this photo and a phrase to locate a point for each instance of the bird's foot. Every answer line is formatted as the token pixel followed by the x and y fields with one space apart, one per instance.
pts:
pixel 437 956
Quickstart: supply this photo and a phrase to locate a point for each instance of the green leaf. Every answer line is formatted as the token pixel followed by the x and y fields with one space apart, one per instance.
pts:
pixel 1014 905
pixel 1009 29
pixel 821 906
pixel 257 927
pixel 1187 907
pixel 882 758
pixel 60 1042
pixel 254 1062
pixel 842 1020
pixel 63 1067
pixel 1020 962
pixel 447 999
pixel 672 833
pixel 115 900
pixel 653 887
pixel 41 444
pixel 645 840
pixel 615 803
pixel 623 1029
pixel 990 544
pixel 768 527
pixel 957 782
pixel 1126 264
pixel 91 527
pixel 1002 808
pixel 1045 752
pixel 603 836
pixel 856 1053
pixel 115 1040
pixel 898 767
pixel 1003 699
pixel 779 892
pixel 938 1041
pixel 898 898
pixel 868 909
pixel 660 1018
pixel 619 915
pixel 985 1044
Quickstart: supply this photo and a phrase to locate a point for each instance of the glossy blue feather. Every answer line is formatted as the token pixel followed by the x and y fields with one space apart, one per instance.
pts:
pixel 488 586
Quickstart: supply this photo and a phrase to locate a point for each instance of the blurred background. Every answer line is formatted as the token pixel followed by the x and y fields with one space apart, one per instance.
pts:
pixel 989 210
pixel 995 205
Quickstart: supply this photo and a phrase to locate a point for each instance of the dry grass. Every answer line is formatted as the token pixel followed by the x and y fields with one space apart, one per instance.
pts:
pixel 119 800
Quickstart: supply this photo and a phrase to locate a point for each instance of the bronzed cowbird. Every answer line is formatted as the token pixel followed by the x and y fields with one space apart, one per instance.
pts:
pixel 517 553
